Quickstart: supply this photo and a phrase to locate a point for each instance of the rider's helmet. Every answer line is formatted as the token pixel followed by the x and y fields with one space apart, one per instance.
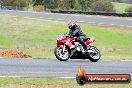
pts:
pixel 71 24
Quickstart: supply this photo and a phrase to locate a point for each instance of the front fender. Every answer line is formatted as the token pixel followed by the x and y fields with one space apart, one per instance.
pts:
pixel 61 46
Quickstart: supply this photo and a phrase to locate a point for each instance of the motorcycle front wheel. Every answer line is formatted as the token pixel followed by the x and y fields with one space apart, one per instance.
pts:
pixel 60 54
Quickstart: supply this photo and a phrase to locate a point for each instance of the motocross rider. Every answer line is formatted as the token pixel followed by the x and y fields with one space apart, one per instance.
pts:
pixel 76 31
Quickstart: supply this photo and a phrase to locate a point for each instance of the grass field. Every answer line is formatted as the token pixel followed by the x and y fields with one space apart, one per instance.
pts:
pixel 120 7
pixel 52 83
pixel 37 36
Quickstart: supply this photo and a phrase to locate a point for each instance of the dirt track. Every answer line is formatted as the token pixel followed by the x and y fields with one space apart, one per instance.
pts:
pixel 13 54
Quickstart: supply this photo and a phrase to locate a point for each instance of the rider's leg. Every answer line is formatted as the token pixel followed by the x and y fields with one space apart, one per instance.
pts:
pixel 73 52
pixel 81 40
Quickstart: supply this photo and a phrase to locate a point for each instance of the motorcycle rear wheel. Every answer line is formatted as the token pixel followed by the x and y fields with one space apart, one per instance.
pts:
pixel 60 55
pixel 94 57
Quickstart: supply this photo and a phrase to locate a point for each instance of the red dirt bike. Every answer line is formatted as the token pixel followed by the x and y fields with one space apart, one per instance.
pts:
pixel 67 45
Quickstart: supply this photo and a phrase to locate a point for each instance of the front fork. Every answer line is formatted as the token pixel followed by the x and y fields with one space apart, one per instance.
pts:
pixel 63 49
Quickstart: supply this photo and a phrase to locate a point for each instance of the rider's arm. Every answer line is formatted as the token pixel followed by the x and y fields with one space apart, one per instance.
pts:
pixel 75 33
pixel 70 33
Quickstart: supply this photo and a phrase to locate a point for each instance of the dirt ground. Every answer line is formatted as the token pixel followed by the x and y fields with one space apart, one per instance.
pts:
pixel 115 27
pixel 13 54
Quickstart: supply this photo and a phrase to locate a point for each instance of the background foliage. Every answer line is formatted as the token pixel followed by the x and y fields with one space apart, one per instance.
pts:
pixel 84 5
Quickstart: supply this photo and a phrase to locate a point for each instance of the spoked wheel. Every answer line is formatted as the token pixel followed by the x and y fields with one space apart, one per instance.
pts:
pixel 62 55
pixel 95 55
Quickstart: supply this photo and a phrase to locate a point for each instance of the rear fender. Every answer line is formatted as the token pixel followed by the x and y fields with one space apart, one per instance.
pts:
pixel 89 41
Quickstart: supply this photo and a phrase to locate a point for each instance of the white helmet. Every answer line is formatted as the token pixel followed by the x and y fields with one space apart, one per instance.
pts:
pixel 71 23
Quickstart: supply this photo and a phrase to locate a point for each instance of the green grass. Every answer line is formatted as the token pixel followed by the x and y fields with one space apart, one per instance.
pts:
pixel 37 37
pixel 41 82
pixel 8 80
pixel 120 7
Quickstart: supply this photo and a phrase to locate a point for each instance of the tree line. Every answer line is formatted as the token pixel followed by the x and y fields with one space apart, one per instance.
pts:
pixel 84 5
pixel 65 4
pixel 20 3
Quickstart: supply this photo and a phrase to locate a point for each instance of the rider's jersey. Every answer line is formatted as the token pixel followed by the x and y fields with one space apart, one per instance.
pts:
pixel 76 31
